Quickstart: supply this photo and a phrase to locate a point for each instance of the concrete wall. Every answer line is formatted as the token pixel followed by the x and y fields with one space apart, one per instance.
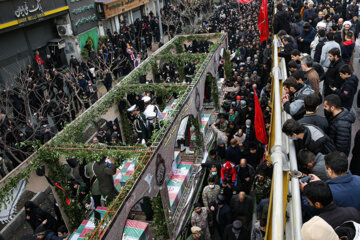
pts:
pixel 11 228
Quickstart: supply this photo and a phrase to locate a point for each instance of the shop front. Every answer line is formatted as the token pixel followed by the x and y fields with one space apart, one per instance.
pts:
pixel 114 13
pixel 27 26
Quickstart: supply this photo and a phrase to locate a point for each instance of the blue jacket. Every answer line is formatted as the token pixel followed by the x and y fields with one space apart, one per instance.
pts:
pixel 347 91
pixel 346 190
pixel 308 38
pixel 309 14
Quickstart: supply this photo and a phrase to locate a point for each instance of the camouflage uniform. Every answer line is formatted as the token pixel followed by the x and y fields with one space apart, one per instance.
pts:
pixel 209 195
pixel 261 188
pixel 222 126
pixel 201 220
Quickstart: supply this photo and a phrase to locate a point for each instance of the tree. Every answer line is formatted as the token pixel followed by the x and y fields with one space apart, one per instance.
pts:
pixel 34 106
pixel 171 21
pixel 190 11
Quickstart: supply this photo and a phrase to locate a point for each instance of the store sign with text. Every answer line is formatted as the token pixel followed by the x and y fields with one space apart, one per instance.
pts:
pixel 117 7
pixel 20 12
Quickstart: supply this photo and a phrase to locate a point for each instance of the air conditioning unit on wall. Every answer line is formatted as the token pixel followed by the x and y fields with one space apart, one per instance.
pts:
pixel 64 30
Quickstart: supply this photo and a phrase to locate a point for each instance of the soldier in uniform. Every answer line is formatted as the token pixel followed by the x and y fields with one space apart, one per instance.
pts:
pixel 221 123
pixel 261 186
pixel 139 124
pixel 199 218
pixel 209 195
pixel 210 192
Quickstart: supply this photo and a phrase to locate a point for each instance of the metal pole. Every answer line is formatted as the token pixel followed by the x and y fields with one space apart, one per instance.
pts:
pixel 277 232
pixel 295 195
pixel 160 23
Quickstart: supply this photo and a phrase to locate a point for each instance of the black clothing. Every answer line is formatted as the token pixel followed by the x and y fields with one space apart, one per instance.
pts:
pixel 332 77
pixel 233 154
pixel 336 216
pixel 242 210
pixel 282 22
pixel 316 120
pixel 230 235
pixel 222 217
pixel 315 140
pixel 340 130
pixel 348 91
pixel 355 161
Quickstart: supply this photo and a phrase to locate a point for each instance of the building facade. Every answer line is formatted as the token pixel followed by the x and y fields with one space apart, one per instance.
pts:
pixel 84 23
pixel 27 26
pixel 113 13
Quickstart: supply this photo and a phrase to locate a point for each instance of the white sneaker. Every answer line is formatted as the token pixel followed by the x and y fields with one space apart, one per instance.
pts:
pixel 188 151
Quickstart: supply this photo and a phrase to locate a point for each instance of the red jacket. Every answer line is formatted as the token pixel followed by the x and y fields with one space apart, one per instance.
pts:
pixel 228 170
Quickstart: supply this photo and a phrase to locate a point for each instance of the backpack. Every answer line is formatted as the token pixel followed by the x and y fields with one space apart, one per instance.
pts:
pixel 348 230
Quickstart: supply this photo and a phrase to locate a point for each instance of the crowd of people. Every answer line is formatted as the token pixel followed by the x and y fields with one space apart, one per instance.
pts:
pixel 45 95
pixel 318 44
pixel 239 177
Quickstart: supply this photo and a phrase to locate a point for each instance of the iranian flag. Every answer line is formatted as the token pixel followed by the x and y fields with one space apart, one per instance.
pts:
pixel 234 54
pixel 263 23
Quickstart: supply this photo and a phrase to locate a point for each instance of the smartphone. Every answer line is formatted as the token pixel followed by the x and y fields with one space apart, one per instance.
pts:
pixel 305 179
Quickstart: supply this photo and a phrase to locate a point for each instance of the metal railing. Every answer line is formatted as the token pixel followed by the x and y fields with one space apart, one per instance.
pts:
pixel 277 230
pixel 280 148
pixel 294 190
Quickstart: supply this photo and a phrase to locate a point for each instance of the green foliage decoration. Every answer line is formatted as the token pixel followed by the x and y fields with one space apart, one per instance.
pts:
pixel 72 134
pixel 227 66
pixel 214 90
pixel 178 46
pixel 198 136
pixel 159 218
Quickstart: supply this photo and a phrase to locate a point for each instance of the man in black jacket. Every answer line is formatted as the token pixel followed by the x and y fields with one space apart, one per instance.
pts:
pixel 288 47
pixel 308 136
pixel 332 76
pixel 340 122
pixel 281 20
pixel 348 89
pixel 319 195
pixel 242 208
pixel 311 103
pixel 222 214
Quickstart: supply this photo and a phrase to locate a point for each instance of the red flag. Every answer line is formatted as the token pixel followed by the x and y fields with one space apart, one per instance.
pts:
pixel 263 23
pixel 66 194
pixel 244 1
pixel 259 124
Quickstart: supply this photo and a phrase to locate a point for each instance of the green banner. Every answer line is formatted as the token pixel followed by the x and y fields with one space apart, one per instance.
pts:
pixel 93 35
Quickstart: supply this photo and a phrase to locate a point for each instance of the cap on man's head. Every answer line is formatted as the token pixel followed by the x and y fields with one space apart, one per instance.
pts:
pixel 317 228
pixel 132 108
pixel 195 230
pixel 41 230
pixel 236 226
